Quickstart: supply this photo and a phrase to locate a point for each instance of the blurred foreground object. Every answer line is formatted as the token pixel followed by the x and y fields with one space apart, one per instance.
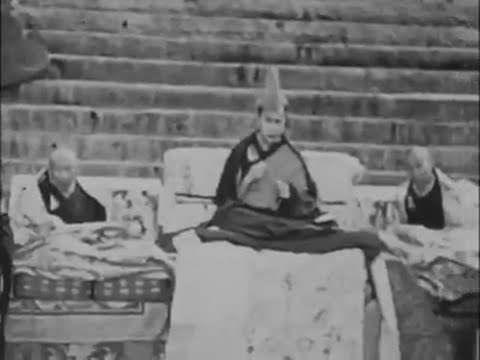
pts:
pixel 22 59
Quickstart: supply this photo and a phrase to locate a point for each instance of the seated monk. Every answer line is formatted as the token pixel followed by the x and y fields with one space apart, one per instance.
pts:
pixel 264 171
pixel 59 198
pixel 432 199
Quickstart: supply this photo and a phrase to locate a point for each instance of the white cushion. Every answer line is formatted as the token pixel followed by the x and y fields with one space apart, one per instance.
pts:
pixel 194 170
pixel 334 173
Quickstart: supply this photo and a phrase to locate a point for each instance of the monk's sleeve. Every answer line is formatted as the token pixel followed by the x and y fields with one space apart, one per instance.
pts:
pixel 227 186
pixel 399 203
pixel 299 205
pixel 101 213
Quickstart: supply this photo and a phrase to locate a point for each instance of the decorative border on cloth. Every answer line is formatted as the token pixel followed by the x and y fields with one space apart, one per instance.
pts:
pixel 133 289
pixel 129 350
pixel 40 288
pixel 65 327
pixel 42 308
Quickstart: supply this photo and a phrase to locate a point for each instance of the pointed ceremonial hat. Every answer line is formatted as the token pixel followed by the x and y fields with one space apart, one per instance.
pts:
pixel 272 97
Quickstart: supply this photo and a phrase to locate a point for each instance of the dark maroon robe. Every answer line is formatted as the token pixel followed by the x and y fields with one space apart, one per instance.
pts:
pixel 78 208
pixel 301 204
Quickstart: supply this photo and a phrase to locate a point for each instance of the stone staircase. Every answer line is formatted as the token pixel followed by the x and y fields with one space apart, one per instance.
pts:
pixel 368 77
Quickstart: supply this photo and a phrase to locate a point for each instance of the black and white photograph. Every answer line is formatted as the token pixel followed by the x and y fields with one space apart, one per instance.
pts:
pixel 239 180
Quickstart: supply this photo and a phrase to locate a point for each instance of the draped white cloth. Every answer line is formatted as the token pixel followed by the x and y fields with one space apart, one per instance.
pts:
pixel 234 303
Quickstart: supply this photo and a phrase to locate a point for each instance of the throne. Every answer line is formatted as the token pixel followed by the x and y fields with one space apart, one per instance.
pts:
pixel 288 305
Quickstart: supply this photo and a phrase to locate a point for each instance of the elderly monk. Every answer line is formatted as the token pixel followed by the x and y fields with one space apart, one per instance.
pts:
pixel 58 198
pixel 434 200
pixel 62 194
pixel 264 171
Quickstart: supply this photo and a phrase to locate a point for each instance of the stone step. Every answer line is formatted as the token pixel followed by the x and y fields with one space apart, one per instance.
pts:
pixel 415 12
pixel 148 170
pixel 211 124
pixel 440 107
pixel 118 147
pixel 252 75
pixel 242 29
pixel 217 50
pixel 12 167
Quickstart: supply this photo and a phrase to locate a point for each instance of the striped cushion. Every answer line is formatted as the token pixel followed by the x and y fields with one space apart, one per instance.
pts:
pixel 41 288
pixel 123 289
pixel 133 289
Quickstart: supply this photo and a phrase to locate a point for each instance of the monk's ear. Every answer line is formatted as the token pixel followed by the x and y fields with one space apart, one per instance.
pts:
pixel 255 125
pixel 288 122
pixel 259 110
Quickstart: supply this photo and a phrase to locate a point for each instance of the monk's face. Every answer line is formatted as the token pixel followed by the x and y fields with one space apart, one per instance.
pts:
pixel 272 126
pixel 420 169
pixel 63 173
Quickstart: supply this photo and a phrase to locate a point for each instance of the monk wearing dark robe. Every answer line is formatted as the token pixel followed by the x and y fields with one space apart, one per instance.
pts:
pixel 63 196
pixel 265 171
pixel 432 199
pixel 423 201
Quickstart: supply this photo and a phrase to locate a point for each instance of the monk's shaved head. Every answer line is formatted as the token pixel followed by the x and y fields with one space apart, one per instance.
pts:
pixel 62 155
pixel 62 167
pixel 420 154
pixel 420 164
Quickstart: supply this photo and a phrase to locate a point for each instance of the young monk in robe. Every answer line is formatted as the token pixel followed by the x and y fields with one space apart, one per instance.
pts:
pixel 264 171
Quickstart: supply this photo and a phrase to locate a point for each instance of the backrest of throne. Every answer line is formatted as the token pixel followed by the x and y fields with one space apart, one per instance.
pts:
pixel 197 170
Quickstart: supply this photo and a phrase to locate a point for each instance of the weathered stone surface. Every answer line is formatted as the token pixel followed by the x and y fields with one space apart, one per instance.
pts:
pixel 217 50
pixel 192 123
pixel 406 12
pixel 35 145
pixel 252 75
pixel 135 169
pixel 87 168
pixel 244 29
pixel 305 32
pixel 440 107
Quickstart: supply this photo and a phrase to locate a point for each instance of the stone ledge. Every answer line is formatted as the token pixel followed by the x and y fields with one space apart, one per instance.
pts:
pixel 155 170
pixel 118 147
pixel 252 75
pixel 192 123
pixel 441 107
pixel 438 13
pixel 242 29
pixel 218 50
